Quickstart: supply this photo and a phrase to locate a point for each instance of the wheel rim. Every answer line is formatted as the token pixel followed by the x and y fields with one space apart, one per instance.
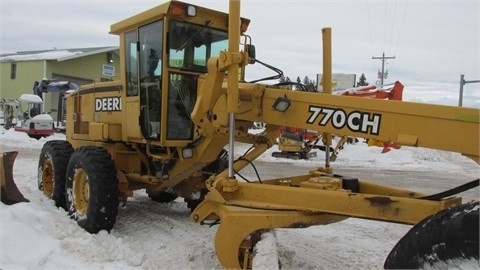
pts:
pixel 80 192
pixel 47 178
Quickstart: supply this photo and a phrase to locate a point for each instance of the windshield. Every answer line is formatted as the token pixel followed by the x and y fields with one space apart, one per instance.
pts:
pixel 191 45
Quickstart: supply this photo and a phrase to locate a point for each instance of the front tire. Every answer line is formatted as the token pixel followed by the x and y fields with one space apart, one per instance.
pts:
pixel 450 234
pixel 92 189
pixel 52 167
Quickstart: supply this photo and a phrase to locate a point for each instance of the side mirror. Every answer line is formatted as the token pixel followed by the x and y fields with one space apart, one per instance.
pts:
pixel 250 49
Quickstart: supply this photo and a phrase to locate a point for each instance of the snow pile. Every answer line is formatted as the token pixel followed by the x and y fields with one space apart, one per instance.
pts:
pixel 49 236
pixel 360 155
pixel 266 256
pixel 22 140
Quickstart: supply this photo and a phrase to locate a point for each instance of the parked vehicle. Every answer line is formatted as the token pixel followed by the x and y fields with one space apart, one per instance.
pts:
pixel 31 120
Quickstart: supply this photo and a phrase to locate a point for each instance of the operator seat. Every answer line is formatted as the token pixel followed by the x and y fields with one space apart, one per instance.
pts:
pixel 33 112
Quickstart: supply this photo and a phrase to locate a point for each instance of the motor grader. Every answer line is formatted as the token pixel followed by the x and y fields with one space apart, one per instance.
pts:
pixel 169 126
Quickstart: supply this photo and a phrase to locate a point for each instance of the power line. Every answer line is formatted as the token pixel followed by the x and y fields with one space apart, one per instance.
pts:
pixel 385 25
pixel 392 28
pixel 399 33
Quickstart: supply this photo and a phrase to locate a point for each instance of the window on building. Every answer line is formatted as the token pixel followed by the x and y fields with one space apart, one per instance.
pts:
pixel 13 70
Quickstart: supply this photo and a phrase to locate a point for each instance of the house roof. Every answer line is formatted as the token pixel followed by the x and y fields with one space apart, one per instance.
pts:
pixel 55 54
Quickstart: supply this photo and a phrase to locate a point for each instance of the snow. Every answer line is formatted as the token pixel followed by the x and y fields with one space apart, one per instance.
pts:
pixel 31 98
pixel 266 253
pixel 43 117
pixel 151 235
pixel 52 55
pixel 23 141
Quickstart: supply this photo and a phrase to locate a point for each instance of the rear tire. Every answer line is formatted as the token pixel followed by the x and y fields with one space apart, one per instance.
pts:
pixel 52 167
pixel 449 234
pixel 92 189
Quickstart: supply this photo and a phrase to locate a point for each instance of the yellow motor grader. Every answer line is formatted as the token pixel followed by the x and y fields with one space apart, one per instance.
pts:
pixel 170 123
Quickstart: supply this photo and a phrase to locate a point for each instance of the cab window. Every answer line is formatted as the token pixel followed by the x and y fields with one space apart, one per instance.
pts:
pixel 191 45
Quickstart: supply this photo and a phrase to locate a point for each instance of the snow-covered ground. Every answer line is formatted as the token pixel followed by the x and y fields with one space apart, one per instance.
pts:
pixel 150 235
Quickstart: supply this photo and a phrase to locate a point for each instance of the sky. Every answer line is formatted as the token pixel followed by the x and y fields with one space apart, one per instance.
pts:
pixel 433 41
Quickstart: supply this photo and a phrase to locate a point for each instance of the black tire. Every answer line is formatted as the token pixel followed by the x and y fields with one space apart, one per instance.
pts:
pixel 161 196
pixel 52 167
pixel 193 203
pixel 449 234
pixel 92 189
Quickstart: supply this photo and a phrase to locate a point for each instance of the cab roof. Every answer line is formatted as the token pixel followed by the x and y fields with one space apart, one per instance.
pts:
pixel 159 12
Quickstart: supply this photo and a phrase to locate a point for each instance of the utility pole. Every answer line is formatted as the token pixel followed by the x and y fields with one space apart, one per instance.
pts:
pixel 462 83
pixel 383 74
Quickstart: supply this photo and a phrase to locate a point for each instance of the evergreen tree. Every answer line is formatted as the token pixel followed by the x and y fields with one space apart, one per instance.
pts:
pixel 309 84
pixel 362 81
pixel 299 82
pixel 303 85
pixel 285 80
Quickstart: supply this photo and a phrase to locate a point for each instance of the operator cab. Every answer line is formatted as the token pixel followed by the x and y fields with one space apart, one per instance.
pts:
pixel 166 49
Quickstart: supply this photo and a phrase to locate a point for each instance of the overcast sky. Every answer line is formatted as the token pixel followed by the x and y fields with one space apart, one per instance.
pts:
pixel 433 41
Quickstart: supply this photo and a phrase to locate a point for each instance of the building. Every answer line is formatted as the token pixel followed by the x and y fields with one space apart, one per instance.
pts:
pixel 19 71
pixel 340 81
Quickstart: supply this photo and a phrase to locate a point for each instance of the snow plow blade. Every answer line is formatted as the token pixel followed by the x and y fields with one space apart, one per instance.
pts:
pixel 10 193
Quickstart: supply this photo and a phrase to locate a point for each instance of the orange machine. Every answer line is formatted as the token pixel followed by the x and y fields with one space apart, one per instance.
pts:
pixel 371 91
